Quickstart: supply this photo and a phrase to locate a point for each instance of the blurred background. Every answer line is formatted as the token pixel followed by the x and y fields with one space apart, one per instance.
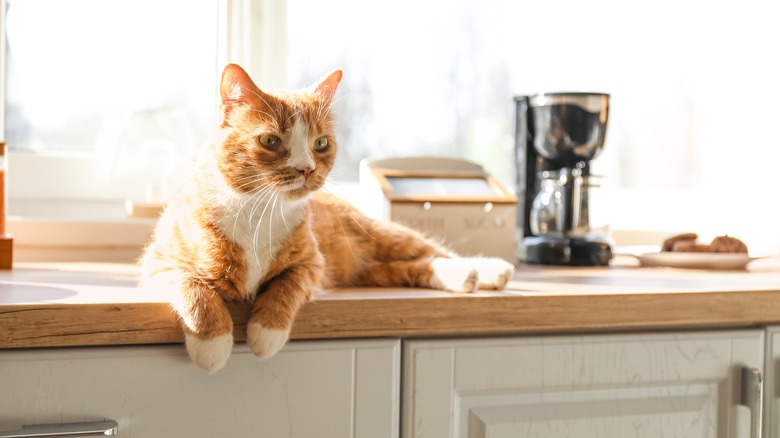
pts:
pixel 105 97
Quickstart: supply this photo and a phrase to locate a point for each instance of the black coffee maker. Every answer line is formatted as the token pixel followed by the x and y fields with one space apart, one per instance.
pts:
pixel 557 135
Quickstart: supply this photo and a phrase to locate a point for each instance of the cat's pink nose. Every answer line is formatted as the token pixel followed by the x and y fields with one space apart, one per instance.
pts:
pixel 306 171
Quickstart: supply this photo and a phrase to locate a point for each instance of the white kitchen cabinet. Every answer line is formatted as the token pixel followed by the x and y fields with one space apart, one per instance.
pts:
pixel 325 389
pixel 626 385
pixel 772 383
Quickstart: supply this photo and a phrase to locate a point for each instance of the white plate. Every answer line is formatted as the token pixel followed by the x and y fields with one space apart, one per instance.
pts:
pixel 695 260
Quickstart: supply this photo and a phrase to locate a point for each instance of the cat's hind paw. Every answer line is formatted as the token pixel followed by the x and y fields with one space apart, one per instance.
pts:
pixel 454 275
pixel 265 342
pixel 494 273
pixel 210 355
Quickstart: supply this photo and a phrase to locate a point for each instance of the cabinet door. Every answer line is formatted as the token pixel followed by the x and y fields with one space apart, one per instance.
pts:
pixel 325 389
pixel 638 385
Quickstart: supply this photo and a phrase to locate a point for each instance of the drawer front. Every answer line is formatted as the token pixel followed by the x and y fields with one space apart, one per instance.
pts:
pixel 323 388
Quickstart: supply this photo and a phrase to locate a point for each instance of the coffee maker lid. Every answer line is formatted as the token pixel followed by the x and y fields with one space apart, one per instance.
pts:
pixel 593 102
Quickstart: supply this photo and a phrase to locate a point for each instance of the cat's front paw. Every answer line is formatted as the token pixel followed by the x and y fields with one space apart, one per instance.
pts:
pixel 210 355
pixel 265 342
pixel 454 275
pixel 494 273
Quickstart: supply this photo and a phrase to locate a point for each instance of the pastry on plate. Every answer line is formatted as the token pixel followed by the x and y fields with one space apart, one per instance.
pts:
pixel 687 242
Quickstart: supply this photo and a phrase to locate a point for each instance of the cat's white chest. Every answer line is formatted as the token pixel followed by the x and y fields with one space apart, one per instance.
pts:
pixel 260 229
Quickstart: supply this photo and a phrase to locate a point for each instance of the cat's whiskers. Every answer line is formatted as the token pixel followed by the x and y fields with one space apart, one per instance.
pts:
pixel 257 230
pixel 256 175
pixel 255 249
pixel 339 98
pixel 334 101
pixel 349 245
pixel 328 192
pixel 271 107
pixel 320 107
pixel 250 178
pixel 270 227
pixel 269 116
pixel 284 220
pixel 330 181
pixel 257 192
pixel 336 213
pixel 361 227
pixel 267 192
pixel 262 200
pixel 330 221
pixel 298 111
pixel 257 179
pixel 250 195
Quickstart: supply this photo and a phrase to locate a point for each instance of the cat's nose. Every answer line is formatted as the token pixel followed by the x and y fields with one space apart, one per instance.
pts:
pixel 306 171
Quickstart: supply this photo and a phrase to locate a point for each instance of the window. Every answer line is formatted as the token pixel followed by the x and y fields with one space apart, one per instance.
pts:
pixel 106 104
pixel 70 75
pixel 690 141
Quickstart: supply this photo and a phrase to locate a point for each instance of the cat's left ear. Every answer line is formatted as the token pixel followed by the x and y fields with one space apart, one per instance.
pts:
pixel 236 89
pixel 326 87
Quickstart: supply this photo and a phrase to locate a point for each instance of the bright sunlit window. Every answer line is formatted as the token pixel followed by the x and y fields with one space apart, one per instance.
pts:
pixel 72 77
pixel 128 85
pixel 690 141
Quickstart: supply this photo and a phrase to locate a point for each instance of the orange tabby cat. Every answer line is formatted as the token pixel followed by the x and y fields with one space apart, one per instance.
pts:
pixel 251 225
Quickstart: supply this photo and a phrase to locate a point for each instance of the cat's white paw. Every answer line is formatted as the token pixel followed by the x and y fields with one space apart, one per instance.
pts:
pixel 454 275
pixel 494 273
pixel 265 342
pixel 209 355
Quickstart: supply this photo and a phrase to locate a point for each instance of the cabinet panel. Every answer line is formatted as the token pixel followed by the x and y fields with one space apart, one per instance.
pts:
pixel 661 384
pixel 324 388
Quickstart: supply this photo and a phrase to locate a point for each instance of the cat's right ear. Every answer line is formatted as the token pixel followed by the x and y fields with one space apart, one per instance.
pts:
pixel 236 88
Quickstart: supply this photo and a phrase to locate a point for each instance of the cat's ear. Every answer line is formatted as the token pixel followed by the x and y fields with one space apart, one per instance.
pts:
pixel 236 88
pixel 326 87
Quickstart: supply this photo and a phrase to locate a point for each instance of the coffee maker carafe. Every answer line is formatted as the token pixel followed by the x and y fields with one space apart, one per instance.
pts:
pixel 557 135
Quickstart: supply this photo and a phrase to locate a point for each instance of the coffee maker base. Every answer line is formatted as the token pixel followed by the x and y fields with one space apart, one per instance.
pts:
pixel 568 252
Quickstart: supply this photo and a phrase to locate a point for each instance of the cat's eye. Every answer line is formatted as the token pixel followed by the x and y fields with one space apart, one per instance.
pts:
pixel 270 142
pixel 321 144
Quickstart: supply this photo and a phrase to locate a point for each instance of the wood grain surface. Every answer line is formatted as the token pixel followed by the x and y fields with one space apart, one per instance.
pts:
pixel 69 304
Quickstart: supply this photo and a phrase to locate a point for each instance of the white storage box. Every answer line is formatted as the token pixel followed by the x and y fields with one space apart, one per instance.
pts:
pixel 452 200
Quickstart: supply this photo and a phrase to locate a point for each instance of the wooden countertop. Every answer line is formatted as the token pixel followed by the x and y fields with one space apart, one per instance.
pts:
pixel 68 304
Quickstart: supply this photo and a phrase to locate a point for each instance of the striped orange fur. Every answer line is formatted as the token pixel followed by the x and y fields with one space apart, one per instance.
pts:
pixel 252 225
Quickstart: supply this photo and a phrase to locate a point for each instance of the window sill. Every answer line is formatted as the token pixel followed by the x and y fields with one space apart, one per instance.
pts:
pixel 39 240
pixel 102 232
pixel 117 240
pixel 70 230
